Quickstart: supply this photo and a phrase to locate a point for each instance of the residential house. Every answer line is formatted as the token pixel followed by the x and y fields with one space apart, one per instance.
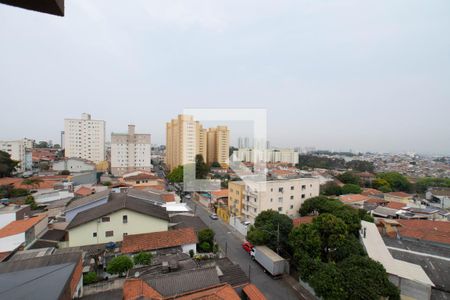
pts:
pixel 410 278
pixel 85 203
pixel 236 190
pixel 141 180
pixel 22 232
pixel 121 215
pixel 12 212
pixel 438 197
pixel 184 238
pixel 398 197
pixel 57 276
pixel 74 165
pixel 355 200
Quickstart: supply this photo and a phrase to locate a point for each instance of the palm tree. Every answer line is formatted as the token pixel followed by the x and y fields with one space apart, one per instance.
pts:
pixel 34 182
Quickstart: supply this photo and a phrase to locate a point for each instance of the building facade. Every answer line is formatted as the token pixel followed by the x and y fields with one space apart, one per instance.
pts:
pixel 130 152
pixel 289 156
pixel 85 138
pixel 19 150
pixel 185 138
pixel 283 195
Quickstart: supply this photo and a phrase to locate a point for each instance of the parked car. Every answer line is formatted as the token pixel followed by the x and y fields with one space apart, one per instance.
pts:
pixel 213 216
pixel 247 247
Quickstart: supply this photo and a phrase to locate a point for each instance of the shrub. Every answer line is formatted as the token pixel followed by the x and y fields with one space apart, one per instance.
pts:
pixel 205 247
pixel 89 278
pixel 143 258
pixel 19 193
pixel 107 183
pixel 191 253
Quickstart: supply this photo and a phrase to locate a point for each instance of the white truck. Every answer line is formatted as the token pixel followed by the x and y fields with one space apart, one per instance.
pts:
pixel 269 260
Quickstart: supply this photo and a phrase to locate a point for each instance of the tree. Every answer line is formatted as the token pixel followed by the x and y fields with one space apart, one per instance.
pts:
pixel 143 258
pixel 89 278
pixel 277 228
pixel 205 247
pixel 176 175
pixel 351 218
pixel 57 146
pixel 206 235
pixel 306 239
pixel 360 165
pixel 347 247
pixel 257 236
pixel 35 182
pixel 332 231
pixel 7 165
pixel 41 144
pixel 331 189
pixel 397 181
pixel 349 178
pixel 351 189
pixel 366 279
pixel 327 282
pixel 119 265
pixel 30 201
pixel 201 169
pixel 382 185
pixel 318 205
pixel 423 184
pixel 314 161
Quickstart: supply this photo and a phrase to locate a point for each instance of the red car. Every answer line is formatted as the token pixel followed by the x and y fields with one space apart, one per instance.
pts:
pixel 247 247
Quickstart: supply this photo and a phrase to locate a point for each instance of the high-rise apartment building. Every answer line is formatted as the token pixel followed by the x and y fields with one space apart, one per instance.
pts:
pixel 185 138
pixel 288 156
pixel 130 152
pixel 19 150
pixel 85 138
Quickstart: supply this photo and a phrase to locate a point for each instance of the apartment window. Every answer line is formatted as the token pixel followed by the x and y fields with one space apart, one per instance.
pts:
pixel 124 219
pixel 125 233
pixel 271 200
pixel 254 209
pixel 280 190
pixel 109 233
pixel 292 188
pixel 105 219
pixel 292 197
pixel 280 209
pixel 303 187
pixel 292 206
pixel 303 196
pixel 94 234
pixel 271 190
pixel 280 199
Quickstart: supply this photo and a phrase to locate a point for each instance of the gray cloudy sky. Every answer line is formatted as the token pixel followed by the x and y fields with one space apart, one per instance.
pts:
pixel 344 74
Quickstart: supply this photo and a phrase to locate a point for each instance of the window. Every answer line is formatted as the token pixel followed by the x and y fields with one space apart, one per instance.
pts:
pixel 105 219
pixel 124 219
pixel 280 199
pixel 271 200
pixel 292 206
pixel 254 209
pixel 109 233
pixel 271 190
pixel 292 197
pixel 280 209
pixel 94 234
pixel 124 234
pixel 280 190
pixel 292 188
pixel 303 187
pixel 303 196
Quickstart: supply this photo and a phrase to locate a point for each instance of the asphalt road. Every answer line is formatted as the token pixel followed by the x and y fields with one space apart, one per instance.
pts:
pixel 232 245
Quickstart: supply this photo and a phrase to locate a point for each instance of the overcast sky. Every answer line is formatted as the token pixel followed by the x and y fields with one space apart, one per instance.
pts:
pixel 360 75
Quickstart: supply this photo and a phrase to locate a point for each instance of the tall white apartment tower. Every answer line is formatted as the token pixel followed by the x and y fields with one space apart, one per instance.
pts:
pixel 85 138
pixel 130 152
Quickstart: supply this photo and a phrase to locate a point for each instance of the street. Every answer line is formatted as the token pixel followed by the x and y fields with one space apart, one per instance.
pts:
pixel 232 245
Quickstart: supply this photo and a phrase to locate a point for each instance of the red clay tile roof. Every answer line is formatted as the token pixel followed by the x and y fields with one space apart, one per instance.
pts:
pixel 253 293
pixel 376 201
pixel 399 194
pixel 302 220
pixel 19 226
pixel 371 192
pixel 434 231
pixel 158 240
pixel 83 191
pixel 140 176
pixel 17 182
pixel 220 193
pixel 222 292
pixel 168 197
pixel 352 198
pixel 136 288
pixel 395 205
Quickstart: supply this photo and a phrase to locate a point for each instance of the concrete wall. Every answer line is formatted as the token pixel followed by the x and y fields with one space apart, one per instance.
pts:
pixel 73 165
pixel 9 243
pixel 137 223
pixel 188 247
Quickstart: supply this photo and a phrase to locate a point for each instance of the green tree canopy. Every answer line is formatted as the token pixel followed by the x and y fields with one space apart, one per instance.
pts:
pixel 351 189
pixel 143 258
pixel 318 205
pixel 360 165
pixel 201 169
pixel 423 184
pixel 331 189
pixel 382 185
pixel 206 235
pixel 119 265
pixel 33 181
pixel 215 165
pixel 7 165
pixel 396 181
pixel 176 175
pixel 349 178
pixel 327 282
pixel 265 230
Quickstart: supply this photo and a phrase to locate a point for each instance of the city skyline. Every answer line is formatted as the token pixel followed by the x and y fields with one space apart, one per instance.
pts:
pixel 347 75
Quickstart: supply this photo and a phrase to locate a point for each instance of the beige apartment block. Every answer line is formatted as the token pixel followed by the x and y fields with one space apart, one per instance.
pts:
pixel 85 138
pixel 283 195
pixel 130 152
pixel 185 138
